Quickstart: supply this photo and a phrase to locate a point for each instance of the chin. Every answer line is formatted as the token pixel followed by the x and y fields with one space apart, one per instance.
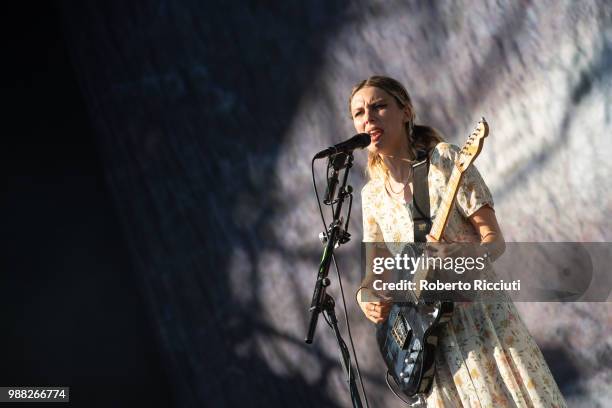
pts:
pixel 374 148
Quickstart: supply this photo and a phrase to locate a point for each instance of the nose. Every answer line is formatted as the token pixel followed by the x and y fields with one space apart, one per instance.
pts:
pixel 367 116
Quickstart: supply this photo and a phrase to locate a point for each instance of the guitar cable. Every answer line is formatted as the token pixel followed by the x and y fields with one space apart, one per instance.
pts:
pixel 336 267
pixel 416 404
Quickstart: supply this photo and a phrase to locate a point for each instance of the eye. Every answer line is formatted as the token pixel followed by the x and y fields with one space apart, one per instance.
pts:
pixel 358 113
pixel 380 106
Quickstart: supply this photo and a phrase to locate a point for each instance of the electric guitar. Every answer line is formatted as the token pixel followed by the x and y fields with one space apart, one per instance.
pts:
pixel 408 338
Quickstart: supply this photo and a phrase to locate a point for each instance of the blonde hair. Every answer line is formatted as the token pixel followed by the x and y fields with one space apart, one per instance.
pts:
pixel 419 137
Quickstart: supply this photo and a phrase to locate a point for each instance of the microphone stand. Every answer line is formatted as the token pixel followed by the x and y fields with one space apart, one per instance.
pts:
pixel 336 235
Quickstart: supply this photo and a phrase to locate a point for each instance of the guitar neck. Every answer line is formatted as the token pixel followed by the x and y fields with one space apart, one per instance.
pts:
pixel 441 220
pixel 468 153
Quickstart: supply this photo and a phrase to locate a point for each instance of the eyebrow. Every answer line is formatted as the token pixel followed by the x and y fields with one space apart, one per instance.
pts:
pixel 374 102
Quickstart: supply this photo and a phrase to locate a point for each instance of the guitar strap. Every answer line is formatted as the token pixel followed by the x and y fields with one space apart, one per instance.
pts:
pixel 420 197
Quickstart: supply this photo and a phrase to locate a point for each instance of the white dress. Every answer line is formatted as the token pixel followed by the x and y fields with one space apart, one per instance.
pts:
pixel 486 356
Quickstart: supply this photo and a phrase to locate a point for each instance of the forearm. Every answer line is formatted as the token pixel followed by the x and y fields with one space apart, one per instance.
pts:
pixel 493 244
pixel 373 250
pixel 491 238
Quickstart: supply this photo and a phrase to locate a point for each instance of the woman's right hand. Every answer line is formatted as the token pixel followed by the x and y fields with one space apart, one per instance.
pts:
pixel 376 312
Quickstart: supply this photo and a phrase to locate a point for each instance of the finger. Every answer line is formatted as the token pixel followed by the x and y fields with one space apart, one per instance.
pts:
pixel 446 240
pixel 381 315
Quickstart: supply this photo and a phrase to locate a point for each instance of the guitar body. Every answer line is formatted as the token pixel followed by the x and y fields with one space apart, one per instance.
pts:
pixel 407 341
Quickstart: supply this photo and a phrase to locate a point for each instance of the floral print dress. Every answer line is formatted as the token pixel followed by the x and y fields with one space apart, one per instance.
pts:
pixel 486 356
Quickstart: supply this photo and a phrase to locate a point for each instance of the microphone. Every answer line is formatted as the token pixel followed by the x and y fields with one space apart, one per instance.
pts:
pixel 356 142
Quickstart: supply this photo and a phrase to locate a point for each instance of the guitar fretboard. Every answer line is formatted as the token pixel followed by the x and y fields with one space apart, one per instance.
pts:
pixel 441 220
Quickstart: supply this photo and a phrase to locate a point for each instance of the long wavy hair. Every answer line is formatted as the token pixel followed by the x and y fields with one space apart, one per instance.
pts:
pixel 420 137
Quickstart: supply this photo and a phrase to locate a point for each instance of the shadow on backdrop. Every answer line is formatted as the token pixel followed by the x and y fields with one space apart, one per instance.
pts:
pixel 73 312
pixel 190 102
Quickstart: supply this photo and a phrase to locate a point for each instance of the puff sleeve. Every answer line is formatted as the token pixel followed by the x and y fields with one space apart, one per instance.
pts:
pixel 473 192
pixel 371 229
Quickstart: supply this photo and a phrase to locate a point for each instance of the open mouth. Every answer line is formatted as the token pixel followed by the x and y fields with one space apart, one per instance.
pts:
pixel 375 134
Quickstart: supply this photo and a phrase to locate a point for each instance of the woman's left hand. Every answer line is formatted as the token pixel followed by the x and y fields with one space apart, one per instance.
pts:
pixel 447 249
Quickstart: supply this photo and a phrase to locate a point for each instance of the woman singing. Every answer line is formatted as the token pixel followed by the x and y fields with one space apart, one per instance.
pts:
pixel 486 357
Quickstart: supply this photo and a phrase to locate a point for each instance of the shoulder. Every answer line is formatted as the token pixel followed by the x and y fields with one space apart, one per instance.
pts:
pixel 443 155
pixel 444 151
pixel 371 189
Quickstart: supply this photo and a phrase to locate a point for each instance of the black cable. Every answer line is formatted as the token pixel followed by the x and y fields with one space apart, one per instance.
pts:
pixel 314 184
pixel 348 216
pixel 331 199
pixel 350 335
pixel 416 404
pixel 327 320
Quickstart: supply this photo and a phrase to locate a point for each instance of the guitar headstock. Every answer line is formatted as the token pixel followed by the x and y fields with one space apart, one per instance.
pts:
pixel 472 147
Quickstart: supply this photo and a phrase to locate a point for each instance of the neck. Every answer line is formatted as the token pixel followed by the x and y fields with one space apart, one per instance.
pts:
pixel 398 163
pixel 400 168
